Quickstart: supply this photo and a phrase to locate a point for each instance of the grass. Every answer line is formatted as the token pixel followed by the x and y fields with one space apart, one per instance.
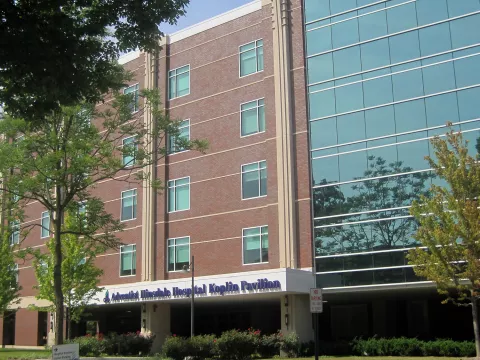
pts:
pixel 24 354
pixel 382 357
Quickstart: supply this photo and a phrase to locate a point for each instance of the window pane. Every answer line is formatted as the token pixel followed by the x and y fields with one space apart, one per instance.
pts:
pixel 467 71
pixel 183 84
pixel 468 104
pixel 404 47
pixel 261 118
pixel 345 33
pixel 171 88
pixel 171 199
pixel 465 31
pixel 373 25
pixel 323 133
pixel 319 40
pixel 252 243
pixel 380 122
pixel 430 11
pixel 322 104
pixel 127 262
pixel 250 184
pixel 375 54
pixel 246 47
pixel 249 122
pixel 347 61
pixel 320 68
pixel 248 63
pixel 263 182
pixel 316 9
pixel 260 58
pixel 440 110
pixel 171 258
pixel 183 255
pixel 456 7
pixel 401 18
pixel 435 39
pixel 410 116
pixel 251 232
pixel 325 170
pixel 183 197
pixel 407 85
pixel 378 91
pixel 349 98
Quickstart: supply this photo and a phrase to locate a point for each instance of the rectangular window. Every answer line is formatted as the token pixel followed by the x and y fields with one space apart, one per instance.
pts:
pixel 15 235
pixel 251 58
pixel 133 92
pixel 129 205
pixel 15 268
pixel 174 142
pixel 252 117
pixel 255 245
pixel 254 180
pixel 130 147
pixel 179 82
pixel 45 222
pixel 178 253
pixel 179 194
pixel 128 260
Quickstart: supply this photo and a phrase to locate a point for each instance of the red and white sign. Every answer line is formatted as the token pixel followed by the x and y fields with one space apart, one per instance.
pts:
pixel 316 300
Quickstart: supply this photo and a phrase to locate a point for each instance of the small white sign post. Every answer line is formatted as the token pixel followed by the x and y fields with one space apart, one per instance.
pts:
pixel 65 352
pixel 316 301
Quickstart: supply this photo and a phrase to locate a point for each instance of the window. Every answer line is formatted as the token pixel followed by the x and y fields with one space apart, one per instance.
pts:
pixel 183 133
pixel 15 235
pixel 45 222
pixel 252 116
pixel 179 194
pixel 179 82
pixel 178 253
pixel 255 245
pixel 15 268
pixel 254 180
pixel 129 205
pixel 130 147
pixel 133 92
pixel 128 260
pixel 251 58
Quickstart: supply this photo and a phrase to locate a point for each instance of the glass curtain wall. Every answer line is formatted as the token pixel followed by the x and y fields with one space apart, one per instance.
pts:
pixel 383 78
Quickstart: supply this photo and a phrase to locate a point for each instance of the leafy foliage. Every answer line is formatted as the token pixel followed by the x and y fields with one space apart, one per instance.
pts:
pixel 60 53
pixel 9 287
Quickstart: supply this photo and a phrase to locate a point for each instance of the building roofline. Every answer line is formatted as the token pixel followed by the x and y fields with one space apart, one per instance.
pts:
pixel 216 21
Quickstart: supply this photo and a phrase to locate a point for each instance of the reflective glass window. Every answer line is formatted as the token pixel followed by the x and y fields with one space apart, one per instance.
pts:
pixel 329 264
pixel 341 6
pixel 441 109
pixel 465 31
pixel 345 33
pixel 372 25
pixel 319 40
pixel 410 116
pixel 351 127
pixel 358 262
pixel 468 104
pixel 325 170
pixel 430 11
pixel 375 54
pixel 387 259
pixel 380 122
pixel 349 97
pixel 358 278
pixel 404 47
pixel 378 152
pixel 352 165
pixel 456 7
pixel 389 276
pixel 407 85
pixel 401 18
pixel 435 39
pixel 322 104
pixel 320 68
pixel 323 133
pixel 412 154
pixel 378 91
pixel 467 71
pixel 347 61
pixel 316 9
pixel 438 78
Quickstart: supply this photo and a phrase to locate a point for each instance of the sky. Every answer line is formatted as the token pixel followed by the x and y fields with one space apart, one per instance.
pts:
pixel 199 10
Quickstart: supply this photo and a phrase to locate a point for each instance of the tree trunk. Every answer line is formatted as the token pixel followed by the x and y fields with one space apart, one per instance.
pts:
pixel 57 271
pixel 475 325
pixel 69 324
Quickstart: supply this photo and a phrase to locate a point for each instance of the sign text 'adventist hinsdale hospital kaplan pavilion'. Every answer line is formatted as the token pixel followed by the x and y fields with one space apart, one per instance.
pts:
pixel 232 284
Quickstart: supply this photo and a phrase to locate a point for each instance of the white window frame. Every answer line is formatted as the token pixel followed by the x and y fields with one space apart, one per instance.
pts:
pixel 243 250
pixel 134 251
pixel 169 139
pixel 256 57
pixel 42 228
pixel 121 204
pixel 174 246
pixel 259 179
pixel 257 107
pixel 174 71
pixel 175 187
pixel 135 143
pixel 15 235
pixel 136 105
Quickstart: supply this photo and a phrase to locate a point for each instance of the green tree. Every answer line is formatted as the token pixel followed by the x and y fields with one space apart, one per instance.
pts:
pixel 80 276
pixel 9 287
pixel 60 161
pixel 59 53
pixel 449 226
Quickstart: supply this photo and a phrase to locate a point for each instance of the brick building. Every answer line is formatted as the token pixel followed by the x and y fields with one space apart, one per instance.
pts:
pixel 297 99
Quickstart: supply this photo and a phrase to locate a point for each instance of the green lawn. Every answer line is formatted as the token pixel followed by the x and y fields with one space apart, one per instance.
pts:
pixel 383 357
pixel 24 354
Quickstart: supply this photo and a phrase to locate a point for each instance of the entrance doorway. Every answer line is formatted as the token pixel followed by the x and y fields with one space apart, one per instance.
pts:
pixel 9 328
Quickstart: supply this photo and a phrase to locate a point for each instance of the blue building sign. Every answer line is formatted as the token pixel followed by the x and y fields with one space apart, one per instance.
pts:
pixel 212 289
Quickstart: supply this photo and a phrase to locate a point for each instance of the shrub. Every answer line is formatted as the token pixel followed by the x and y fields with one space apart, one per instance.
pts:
pixel 90 346
pixel 412 347
pixel 236 345
pixel 291 345
pixel 175 347
pixel 201 346
pixel 269 345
